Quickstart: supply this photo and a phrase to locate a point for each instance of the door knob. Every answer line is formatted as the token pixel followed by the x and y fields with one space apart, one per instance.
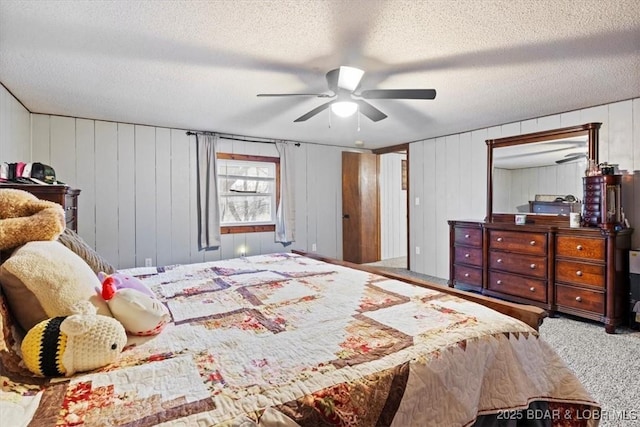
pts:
pixel 345 216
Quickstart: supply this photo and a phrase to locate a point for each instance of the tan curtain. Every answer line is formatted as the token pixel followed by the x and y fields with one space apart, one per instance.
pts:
pixel 207 187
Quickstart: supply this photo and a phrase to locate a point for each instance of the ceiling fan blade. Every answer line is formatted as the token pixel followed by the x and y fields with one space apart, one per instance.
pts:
pixel 370 111
pixel 319 95
pixel 398 94
pixel 571 157
pixel 313 112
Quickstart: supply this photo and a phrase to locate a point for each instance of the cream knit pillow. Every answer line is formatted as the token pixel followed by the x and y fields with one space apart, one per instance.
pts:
pixel 45 279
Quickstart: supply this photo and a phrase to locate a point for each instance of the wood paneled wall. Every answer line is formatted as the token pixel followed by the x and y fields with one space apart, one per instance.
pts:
pixel 15 129
pixel 138 185
pixel 448 175
pixel 138 191
pixel 393 207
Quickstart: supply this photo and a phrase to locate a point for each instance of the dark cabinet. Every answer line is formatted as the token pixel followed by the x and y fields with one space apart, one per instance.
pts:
pixel 578 271
pixel 63 195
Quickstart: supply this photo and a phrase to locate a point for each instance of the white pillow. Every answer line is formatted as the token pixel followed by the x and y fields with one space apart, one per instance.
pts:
pixel 54 279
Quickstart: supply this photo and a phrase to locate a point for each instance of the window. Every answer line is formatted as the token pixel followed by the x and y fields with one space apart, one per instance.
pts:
pixel 248 189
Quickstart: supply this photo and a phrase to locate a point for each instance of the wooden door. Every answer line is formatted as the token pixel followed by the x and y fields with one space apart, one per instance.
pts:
pixel 360 209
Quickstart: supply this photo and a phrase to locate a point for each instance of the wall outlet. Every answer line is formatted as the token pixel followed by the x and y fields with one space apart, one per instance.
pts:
pixel 148 262
pixel 314 247
pixel 417 250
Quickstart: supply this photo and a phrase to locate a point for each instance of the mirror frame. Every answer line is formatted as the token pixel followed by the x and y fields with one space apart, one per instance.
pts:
pixel 589 129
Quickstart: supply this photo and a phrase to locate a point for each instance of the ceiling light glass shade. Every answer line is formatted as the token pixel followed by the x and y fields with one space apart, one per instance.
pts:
pixel 349 78
pixel 344 108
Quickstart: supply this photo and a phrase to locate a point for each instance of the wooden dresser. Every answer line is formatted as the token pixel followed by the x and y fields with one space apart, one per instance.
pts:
pixel 63 195
pixel 578 271
pixel 518 264
pixel 466 255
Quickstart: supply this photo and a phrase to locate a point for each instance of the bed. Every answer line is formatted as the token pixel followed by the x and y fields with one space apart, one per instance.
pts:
pixel 291 340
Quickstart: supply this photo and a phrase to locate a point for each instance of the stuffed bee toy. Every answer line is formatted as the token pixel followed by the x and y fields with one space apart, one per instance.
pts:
pixel 62 346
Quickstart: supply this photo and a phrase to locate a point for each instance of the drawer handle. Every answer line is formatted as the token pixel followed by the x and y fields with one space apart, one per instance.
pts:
pixel 532 289
pixel 532 266
pixel 579 299
pixel 466 236
pixel 499 239
pixel 498 282
pixel 467 255
pixel 532 243
pixel 579 247
pixel 466 274
pixel 579 273
pixel 499 261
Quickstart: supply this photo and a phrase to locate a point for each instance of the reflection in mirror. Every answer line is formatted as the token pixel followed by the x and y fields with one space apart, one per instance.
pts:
pixel 540 171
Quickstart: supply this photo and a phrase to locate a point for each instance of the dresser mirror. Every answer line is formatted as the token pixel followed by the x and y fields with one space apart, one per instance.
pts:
pixel 525 172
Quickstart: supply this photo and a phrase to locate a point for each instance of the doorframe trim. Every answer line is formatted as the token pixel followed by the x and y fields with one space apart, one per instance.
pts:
pixel 395 149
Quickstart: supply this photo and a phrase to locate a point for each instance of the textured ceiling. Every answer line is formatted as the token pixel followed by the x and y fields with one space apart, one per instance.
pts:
pixel 199 64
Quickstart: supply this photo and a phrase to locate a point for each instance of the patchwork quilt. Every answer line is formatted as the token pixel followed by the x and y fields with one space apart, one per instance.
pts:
pixel 285 340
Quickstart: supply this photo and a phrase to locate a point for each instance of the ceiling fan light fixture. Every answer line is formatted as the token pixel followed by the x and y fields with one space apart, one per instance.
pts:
pixel 349 78
pixel 344 108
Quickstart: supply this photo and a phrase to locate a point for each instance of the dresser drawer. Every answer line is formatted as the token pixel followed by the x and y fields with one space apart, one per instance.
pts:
pixel 530 243
pixel 468 255
pixel 580 247
pixel 580 273
pixel 529 265
pixel 579 298
pixel 518 286
pixel 468 236
pixel 469 275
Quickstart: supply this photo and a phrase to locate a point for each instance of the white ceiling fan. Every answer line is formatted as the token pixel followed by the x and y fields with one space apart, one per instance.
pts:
pixel 342 83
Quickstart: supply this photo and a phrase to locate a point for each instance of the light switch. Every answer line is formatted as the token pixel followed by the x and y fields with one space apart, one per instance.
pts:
pixel 417 201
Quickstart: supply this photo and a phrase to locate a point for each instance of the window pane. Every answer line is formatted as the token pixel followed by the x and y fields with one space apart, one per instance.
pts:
pixel 249 169
pixel 240 209
pixel 228 184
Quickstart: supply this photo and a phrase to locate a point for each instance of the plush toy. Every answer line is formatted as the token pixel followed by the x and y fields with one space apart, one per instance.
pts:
pixel 122 281
pixel 62 346
pixel 136 307
pixel 25 218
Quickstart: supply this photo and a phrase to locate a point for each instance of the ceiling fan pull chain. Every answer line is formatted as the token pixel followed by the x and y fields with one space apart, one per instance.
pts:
pixel 358 114
pixel 329 117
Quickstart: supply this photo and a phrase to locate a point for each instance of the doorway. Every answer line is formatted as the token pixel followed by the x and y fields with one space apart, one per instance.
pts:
pixel 376 186
pixel 394 184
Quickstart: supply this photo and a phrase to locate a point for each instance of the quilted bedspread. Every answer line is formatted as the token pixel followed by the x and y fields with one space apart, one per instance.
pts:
pixel 285 340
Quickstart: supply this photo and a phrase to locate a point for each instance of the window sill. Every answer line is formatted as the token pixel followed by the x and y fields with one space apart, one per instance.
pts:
pixel 237 229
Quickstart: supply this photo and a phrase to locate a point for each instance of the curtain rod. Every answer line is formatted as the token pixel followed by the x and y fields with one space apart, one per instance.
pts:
pixel 233 138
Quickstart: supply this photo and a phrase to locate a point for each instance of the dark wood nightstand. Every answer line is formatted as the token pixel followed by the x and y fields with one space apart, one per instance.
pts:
pixel 63 195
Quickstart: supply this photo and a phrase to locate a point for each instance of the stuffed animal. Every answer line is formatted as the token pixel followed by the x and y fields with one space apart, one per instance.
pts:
pixel 139 311
pixel 25 218
pixel 62 346
pixel 122 281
